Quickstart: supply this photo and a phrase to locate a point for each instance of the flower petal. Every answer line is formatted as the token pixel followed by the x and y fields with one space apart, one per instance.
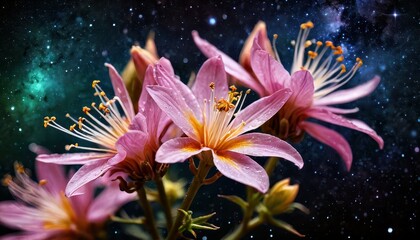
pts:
pixel 259 144
pixel 54 174
pixel 302 85
pixel 330 138
pixel 241 168
pixel 269 72
pixel 349 95
pixel 73 158
pixel 107 203
pixel 16 215
pixel 86 174
pixel 232 67
pixel 178 150
pixel 167 79
pixel 176 108
pixel 131 145
pixel 338 110
pixel 33 235
pixel 260 111
pixel 212 71
pixel 349 123
pixel 120 90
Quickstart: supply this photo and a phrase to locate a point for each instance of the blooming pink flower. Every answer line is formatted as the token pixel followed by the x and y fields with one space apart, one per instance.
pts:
pixel 211 117
pixel 314 87
pixel 127 142
pixel 44 212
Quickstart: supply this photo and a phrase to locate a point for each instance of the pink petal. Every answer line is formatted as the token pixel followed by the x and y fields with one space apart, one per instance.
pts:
pixel 16 215
pixel 149 79
pixel 73 158
pixel 241 168
pixel 212 71
pixel 261 111
pixel 131 145
pixel 232 67
pixel 269 72
pixel 82 202
pixel 302 85
pixel 169 80
pixel 54 174
pixel 139 123
pixel 337 110
pixel 330 138
pixel 178 150
pixel 120 90
pixel 86 174
pixel 33 235
pixel 38 149
pixel 349 95
pixel 341 121
pixel 107 203
pixel 176 108
pixel 259 144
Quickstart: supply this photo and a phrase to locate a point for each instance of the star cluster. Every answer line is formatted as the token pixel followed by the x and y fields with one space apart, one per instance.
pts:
pixel 50 51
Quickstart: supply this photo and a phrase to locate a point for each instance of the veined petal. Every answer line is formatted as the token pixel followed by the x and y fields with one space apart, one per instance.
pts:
pixel 302 85
pixel 131 145
pixel 120 90
pixel 73 158
pixel 33 235
pixel 85 174
pixel 349 95
pixel 337 110
pixel 241 168
pixel 269 72
pixel 259 144
pixel 330 138
pixel 349 123
pixel 54 174
pixel 212 71
pixel 178 150
pixel 261 111
pixel 176 108
pixel 168 79
pixel 107 203
pixel 139 123
pixel 232 67
pixel 15 215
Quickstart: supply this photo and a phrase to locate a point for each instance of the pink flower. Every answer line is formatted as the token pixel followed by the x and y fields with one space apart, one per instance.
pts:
pixel 314 87
pixel 44 212
pixel 127 143
pixel 213 119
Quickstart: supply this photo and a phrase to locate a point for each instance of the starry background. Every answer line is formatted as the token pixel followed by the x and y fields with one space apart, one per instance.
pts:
pixel 50 51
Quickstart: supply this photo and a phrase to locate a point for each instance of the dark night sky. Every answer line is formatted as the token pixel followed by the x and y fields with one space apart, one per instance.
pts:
pixel 50 51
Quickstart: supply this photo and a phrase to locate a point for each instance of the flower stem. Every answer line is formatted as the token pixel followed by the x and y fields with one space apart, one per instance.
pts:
pixel 270 165
pixel 164 201
pixel 197 182
pixel 148 213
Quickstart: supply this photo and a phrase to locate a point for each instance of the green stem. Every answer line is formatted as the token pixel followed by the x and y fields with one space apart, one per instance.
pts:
pixel 148 213
pixel 240 232
pixel 164 201
pixel 197 182
pixel 270 165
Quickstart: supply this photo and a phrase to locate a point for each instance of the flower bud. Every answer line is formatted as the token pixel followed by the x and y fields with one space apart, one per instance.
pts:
pixel 280 197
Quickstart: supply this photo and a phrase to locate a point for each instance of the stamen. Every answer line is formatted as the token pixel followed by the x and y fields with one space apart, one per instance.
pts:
pixel 42 182
pixel 7 180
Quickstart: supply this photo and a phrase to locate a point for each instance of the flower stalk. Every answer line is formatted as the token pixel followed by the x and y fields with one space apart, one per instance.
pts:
pixel 148 213
pixel 164 201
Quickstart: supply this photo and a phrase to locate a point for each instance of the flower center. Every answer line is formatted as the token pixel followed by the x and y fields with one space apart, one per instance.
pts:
pixel 218 116
pixel 103 127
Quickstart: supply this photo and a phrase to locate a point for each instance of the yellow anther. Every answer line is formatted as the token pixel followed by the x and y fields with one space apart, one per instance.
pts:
pixel 93 104
pixel 233 88
pixel 67 115
pixel 85 109
pixel 102 106
pixel 72 127
pixel 340 58
pixel 248 91
pixel 80 122
pixel 343 68
pixel 7 179
pixel 46 118
pixel 312 54
pixel 212 85
pixel 319 43
pixel 19 168
pixel 359 62
pixel 302 68
pixel 338 50
pixel 329 44
pixel 68 147
pixel 308 43
pixel 102 93
pixel 224 105
pixel 42 182
pixel 94 83
pixel 46 123
pixel 309 24
pixel 54 118
pixel 275 36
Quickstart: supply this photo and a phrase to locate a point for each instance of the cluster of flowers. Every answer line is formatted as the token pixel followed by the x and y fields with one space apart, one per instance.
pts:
pixel 205 121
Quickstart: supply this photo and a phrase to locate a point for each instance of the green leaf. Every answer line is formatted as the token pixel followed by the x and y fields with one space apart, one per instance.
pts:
pixel 237 200
pixel 284 225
